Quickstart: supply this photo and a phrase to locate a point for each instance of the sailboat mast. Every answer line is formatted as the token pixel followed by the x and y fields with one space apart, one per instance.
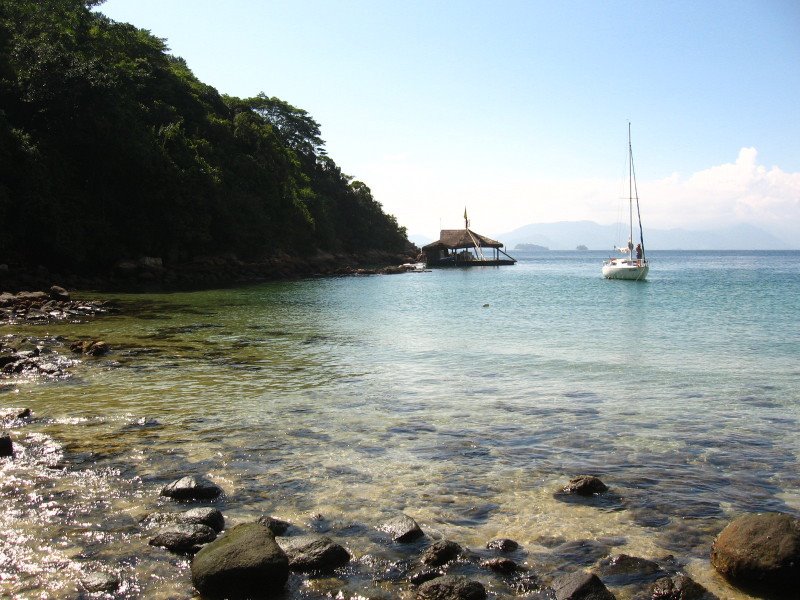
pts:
pixel 630 192
pixel 636 195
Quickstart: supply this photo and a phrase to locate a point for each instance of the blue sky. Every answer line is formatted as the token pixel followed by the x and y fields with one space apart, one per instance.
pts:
pixel 519 110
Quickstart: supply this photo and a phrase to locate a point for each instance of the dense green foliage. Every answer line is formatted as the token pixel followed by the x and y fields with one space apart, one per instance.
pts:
pixel 110 147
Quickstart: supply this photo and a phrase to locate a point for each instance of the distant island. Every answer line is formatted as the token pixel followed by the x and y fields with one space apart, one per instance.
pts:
pixel 566 235
pixel 581 247
pixel 530 248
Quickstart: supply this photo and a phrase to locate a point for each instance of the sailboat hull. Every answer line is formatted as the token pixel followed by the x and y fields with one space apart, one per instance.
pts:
pixel 635 270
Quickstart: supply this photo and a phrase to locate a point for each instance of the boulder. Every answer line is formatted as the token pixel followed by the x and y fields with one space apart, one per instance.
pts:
pixel 585 485
pixel 679 587
pixel 191 488
pixel 760 551
pixel 210 517
pixel 184 537
pixel 244 562
pixel 451 587
pixel 440 552
pixel 6 447
pixel 580 586
pixel 503 545
pixel 402 528
pixel 59 293
pixel 308 553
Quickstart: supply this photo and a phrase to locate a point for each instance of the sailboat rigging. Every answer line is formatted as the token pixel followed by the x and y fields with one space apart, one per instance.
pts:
pixel 630 268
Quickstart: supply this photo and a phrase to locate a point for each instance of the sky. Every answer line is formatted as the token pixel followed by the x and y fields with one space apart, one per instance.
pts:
pixel 518 110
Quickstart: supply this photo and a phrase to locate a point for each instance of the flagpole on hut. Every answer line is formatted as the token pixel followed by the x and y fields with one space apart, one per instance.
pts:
pixel 466 220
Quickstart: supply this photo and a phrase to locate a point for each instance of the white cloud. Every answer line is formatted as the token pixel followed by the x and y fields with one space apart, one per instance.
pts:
pixel 738 192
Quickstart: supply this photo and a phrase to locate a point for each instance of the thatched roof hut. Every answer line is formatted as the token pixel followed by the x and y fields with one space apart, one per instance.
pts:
pixel 453 249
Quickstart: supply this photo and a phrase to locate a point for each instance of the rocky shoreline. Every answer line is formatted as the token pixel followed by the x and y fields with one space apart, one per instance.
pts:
pixel 271 558
pixel 150 274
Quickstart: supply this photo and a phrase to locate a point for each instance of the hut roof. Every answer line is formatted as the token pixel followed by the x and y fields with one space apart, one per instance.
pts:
pixel 461 238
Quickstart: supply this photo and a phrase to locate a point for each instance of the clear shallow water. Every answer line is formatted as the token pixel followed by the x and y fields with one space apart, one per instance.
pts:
pixel 356 398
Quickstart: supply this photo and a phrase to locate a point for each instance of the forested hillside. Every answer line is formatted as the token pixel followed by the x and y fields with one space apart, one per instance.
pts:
pixel 111 148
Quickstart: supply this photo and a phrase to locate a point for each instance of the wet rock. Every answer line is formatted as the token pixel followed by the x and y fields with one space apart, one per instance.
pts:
pixel 276 526
pixel 210 517
pixel 420 576
pixel 529 583
pixel 760 551
pixel 90 347
pixel 503 545
pixel 505 566
pixel 402 528
pixel 585 485
pixel 451 587
pixel 184 537
pixel 191 488
pixel 12 414
pixel 31 296
pixel 307 553
pixel 59 293
pixel 99 582
pixel 440 552
pixel 6 447
pixel 679 587
pixel 626 570
pixel 580 586
pixel 244 562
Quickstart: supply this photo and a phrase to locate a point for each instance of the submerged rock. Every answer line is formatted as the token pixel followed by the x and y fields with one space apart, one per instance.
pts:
pixel 760 551
pixel 622 569
pixel 191 488
pixel 402 528
pixel 90 347
pixel 585 485
pixel 581 586
pixel 245 562
pixel 99 582
pixel 451 587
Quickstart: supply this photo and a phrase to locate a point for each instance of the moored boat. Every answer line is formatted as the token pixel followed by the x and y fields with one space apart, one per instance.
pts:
pixel 630 267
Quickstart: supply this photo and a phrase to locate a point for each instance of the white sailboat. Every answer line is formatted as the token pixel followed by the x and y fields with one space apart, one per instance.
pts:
pixel 634 264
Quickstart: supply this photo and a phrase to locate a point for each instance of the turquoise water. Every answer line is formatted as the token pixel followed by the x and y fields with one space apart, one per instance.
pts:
pixel 464 398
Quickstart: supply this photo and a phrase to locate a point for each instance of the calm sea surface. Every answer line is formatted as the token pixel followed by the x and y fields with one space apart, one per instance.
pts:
pixel 463 398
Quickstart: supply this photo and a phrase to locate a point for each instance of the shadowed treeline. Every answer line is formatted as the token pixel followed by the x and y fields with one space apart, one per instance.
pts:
pixel 111 148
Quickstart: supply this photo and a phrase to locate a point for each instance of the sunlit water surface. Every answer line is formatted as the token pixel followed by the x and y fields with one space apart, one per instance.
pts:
pixel 463 398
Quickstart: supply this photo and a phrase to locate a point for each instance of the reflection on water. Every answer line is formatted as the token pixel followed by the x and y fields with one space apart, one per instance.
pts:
pixel 336 403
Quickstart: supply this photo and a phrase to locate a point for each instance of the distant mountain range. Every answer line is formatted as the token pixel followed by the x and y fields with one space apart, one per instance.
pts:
pixel 568 235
